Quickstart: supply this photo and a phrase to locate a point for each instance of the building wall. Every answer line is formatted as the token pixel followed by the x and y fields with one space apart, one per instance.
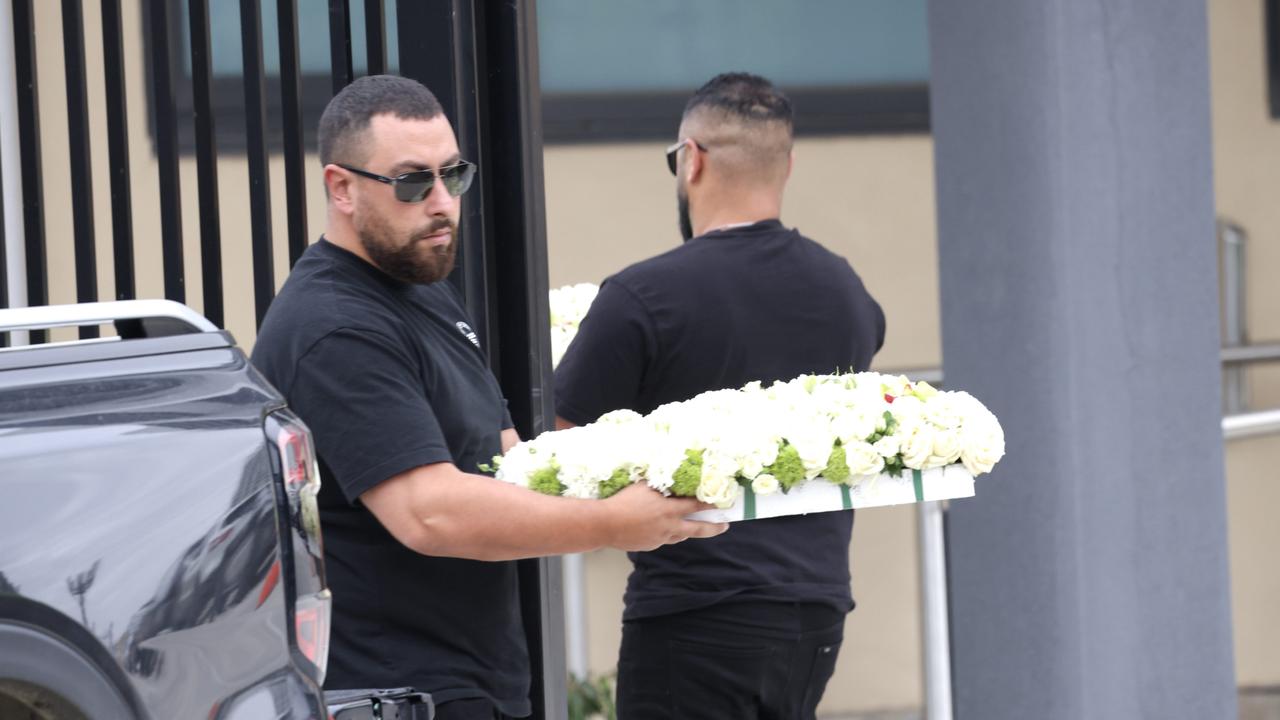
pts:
pixel 1246 146
pixel 869 199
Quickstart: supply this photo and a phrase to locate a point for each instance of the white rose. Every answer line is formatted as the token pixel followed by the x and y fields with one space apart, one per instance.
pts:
pixel 908 411
pixel 863 459
pixel 918 446
pixel 946 448
pixel 718 489
pixel 983 448
pixel 943 411
pixel 765 484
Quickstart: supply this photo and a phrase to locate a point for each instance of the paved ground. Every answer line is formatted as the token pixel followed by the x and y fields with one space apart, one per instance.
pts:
pixel 1255 704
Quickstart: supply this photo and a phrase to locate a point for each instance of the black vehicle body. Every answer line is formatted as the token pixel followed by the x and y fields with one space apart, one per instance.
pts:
pixel 159 546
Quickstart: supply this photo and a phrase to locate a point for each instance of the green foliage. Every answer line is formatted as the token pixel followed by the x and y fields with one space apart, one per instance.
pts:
pixel 616 482
pixel 837 470
pixel 592 697
pixel 547 480
pixel 788 468
pixel 688 475
pixel 894 466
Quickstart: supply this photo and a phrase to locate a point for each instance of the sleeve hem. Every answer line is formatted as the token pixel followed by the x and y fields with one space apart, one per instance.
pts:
pixel 391 467
pixel 572 414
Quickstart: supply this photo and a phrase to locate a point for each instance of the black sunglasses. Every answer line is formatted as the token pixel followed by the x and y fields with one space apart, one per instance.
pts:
pixel 671 152
pixel 413 187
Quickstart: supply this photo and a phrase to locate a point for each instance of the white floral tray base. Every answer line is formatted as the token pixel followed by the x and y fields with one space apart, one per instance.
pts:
pixel 818 495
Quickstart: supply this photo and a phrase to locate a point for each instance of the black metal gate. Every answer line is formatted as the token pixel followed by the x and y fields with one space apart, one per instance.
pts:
pixel 479 58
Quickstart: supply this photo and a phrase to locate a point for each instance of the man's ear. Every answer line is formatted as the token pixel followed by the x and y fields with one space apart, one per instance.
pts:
pixel 338 182
pixel 695 164
pixel 791 162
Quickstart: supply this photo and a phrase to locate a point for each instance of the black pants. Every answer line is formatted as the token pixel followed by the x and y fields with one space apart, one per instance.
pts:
pixel 744 661
pixel 471 709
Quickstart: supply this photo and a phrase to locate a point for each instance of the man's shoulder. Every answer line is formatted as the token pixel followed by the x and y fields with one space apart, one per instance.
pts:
pixel 664 268
pixel 317 300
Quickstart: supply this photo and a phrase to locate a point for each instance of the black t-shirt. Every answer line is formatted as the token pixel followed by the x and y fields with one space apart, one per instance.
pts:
pixel 753 303
pixel 389 376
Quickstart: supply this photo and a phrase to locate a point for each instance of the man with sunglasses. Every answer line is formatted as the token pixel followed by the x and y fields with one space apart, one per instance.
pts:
pixel 374 351
pixel 749 624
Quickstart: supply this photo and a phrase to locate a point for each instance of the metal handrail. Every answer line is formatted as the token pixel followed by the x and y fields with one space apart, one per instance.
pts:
pixel 1253 424
pixel 1233 355
pixel 1244 354
pixel 100 313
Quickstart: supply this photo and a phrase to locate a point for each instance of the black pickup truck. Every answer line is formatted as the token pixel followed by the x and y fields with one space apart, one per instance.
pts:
pixel 160 552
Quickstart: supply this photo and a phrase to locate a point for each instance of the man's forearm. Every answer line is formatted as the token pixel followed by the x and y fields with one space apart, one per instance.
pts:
pixel 439 510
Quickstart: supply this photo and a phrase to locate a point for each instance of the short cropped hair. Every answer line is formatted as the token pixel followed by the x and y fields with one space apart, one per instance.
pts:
pixel 742 96
pixel 347 115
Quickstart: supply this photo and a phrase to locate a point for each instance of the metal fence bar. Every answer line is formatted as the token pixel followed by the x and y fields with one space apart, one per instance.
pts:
pixel 166 138
pixel 438 48
pixel 80 181
pixel 506 119
pixel 206 161
pixel 340 44
pixel 12 251
pixel 118 151
pixel 295 187
pixel 255 114
pixel 375 24
pixel 24 52
pixel 4 257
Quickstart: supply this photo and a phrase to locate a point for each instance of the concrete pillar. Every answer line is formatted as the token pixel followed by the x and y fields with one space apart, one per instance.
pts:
pixel 1079 300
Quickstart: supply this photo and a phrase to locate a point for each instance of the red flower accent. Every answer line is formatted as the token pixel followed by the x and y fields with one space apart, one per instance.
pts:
pixel 888 398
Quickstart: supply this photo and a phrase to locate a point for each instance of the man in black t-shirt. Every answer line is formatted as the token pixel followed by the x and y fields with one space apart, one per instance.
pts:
pixel 748 624
pixel 374 351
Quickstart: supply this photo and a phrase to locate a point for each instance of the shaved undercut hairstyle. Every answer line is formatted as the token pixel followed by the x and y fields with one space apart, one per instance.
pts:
pixel 747 97
pixel 749 119
pixel 346 118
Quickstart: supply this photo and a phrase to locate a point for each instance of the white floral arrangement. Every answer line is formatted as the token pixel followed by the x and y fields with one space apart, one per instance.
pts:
pixel 569 304
pixel 846 430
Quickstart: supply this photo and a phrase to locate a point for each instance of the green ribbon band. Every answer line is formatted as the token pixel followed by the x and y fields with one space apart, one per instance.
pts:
pixel 748 503
pixel 918 481
pixel 845 499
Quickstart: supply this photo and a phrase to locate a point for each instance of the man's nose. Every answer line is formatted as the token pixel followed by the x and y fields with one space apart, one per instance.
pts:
pixel 438 200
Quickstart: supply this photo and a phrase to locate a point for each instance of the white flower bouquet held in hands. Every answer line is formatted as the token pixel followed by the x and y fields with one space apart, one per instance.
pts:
pixel 815 443
pixel 569 304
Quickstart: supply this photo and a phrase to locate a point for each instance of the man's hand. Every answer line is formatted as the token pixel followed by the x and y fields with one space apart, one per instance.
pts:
pixel 641 518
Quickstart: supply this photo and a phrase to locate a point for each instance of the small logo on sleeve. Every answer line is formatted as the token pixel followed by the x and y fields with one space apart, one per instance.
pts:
pixel 468 333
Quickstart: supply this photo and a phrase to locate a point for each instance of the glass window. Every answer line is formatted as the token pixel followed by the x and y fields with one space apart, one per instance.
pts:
pixel 850 65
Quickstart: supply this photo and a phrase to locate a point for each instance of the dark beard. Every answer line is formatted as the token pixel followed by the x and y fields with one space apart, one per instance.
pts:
pixel 682 207
pixel 411 261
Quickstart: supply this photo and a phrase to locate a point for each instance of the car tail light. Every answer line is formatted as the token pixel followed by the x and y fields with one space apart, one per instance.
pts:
pixel 311 628
pixel 298 470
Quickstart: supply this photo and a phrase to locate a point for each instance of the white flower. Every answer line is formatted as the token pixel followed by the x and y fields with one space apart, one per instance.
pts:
pixel 983 446
pixel 765 484
pixel 946 448
pixel 943 411
pixel 888 446
pixel 568 306
pixel 717 488
pixel 737 434
pixel 520 463
pixel 863 459
pixel 917 446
